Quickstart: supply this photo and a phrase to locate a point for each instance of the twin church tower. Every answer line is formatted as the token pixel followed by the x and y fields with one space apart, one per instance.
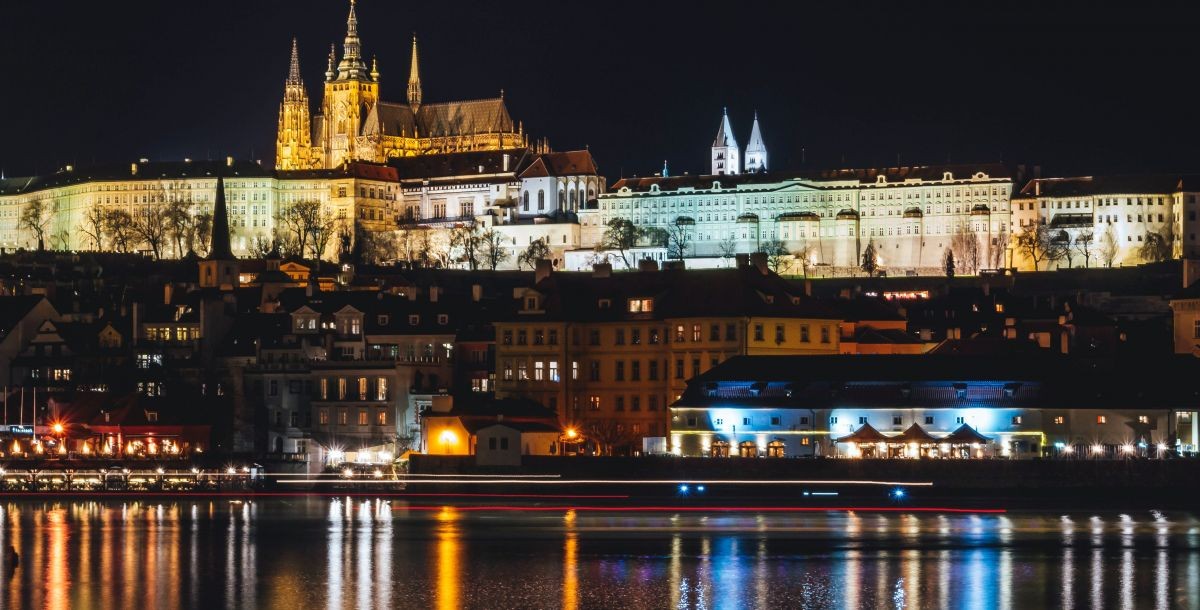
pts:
pixel 726 156
pixel 355 124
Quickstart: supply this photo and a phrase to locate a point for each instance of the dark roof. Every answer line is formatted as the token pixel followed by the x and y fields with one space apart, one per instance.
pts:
pixel 964 435
pixel 743 291
pixel 945 380
pixel 14 309
pixel 865 434
pixel 914 434
pixel 461 165
pixel 151 170
pixel 893 176
pixel 1119 184
pixel 570 163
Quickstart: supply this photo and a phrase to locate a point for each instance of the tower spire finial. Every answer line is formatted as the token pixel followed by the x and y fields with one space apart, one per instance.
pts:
pixel 352 65
pixel 414 78
pixel 294 68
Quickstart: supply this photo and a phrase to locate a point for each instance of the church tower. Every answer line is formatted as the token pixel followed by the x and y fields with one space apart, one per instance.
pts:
pixel 350 93
pixel 220 268
pixel 414 80
pixel 725 157
pixel 756 151
pixel 293 145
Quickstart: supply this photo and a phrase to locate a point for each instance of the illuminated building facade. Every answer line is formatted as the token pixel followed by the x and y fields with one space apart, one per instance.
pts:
pixel 609 353
pixel 825 219
pixel 356 124
pixel 1117 217
pixel 1034 406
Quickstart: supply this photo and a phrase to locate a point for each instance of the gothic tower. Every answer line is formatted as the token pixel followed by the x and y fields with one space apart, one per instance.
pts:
pixel 725 157
pixel 414 80
pixel 756 151
pixel 220 268
pixel 293 145
pixel 350 94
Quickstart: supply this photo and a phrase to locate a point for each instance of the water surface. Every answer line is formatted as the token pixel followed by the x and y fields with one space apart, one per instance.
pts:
pixel 320 552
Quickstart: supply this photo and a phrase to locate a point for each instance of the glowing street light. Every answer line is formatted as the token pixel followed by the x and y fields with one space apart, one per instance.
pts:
pixel 448 438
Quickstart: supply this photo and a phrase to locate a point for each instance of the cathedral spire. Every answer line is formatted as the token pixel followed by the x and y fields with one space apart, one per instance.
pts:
pixel 294 69
pixel 219 250
pixel 756 151
pixel 352 66
pixel 414 79
pixel 329 72
pixel 725 155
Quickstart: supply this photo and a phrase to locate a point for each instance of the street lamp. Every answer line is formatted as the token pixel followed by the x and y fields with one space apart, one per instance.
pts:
pixel 448 438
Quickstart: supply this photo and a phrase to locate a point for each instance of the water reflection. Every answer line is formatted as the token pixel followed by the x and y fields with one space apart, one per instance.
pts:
pixel 374 553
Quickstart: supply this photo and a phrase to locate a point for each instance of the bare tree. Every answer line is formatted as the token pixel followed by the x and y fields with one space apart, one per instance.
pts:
pixel 293 222
pixel 376 247
pixel 1039 244
pixel 620 235
pixel 93 226
pixel 679 239
pixel 178 216
pixel 608 435
pixel 537 250
pixel 320 229
pixel 200 237
pixel 492 248
pixel 728 247
pixel 1109 247
pixel 119 226
pixel 965 243
pixel 776 253
pixel 35 217
pixel 1084 246
pixel 261 246
pixel 149 224
pixel 1000 247
pixel 1155 247
pixel 467 240
pixel 656 237
pixel 804 253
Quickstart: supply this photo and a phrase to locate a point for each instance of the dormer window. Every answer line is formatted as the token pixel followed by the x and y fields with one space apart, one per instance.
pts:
pixel 382 319
pixel 151 416
pixel 414 320
pixel 641 305
pixel 960 390
pixel 604 303
pixel 531 303
pixel 443 319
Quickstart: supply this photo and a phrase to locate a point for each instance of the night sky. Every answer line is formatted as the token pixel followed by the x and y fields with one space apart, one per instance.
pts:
pixel 1080 90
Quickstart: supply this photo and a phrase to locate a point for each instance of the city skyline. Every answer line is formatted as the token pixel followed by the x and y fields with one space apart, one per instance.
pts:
pixel 825 97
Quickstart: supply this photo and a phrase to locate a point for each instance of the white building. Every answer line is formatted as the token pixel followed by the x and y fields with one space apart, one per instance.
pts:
pixel 756 151
pixel 911 215
pixel 726 157
pixel 1119 213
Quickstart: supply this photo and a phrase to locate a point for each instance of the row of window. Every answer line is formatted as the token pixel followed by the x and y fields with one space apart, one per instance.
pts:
pixel 361 388
pixel 781 333
pixel 343 417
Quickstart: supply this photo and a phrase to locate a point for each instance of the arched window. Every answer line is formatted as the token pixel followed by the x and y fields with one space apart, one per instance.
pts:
pixel 525 201
pixel 541 199
pixel 572 204
pixel 562 197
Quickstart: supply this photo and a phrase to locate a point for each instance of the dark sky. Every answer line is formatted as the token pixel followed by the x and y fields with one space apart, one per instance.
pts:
pixel 1077 89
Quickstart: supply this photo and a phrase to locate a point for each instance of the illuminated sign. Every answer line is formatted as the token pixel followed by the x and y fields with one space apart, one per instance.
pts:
pixel 18 430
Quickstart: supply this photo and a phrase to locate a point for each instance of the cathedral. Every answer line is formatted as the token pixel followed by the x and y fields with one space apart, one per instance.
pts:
pixel 355 124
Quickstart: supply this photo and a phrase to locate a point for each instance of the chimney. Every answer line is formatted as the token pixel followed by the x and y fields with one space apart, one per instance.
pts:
pixel 742 260
pixel 137 319
pixel 759 260
pixel 602 270
pixel 133 168
pixel 542 269
pixel 647 264
pixel 411 293
pixel 505 161
pixel 476 293
pixel 228 161
pixel 808 288
pixel 434 293
pixel 168 291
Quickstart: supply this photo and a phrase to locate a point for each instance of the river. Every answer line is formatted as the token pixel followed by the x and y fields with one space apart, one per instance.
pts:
pixel 363 552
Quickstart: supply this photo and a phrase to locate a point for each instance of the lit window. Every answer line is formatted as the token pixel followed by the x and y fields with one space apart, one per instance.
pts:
pixel 1016 421
pixel 641 305
pixel 1059 420
pixel 1100 419
pixel 554 371
pixel 1143 419
pixel 539 370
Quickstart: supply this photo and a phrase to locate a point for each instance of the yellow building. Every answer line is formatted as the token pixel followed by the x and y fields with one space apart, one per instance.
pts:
pixel 610 353
pixel 355 124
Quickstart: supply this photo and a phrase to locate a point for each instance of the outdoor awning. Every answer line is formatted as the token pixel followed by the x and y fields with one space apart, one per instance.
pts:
pixel 965 435
pixel 865 434
pixel 914 434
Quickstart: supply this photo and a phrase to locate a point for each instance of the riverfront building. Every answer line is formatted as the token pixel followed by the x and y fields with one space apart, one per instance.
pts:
pixel 1020 405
